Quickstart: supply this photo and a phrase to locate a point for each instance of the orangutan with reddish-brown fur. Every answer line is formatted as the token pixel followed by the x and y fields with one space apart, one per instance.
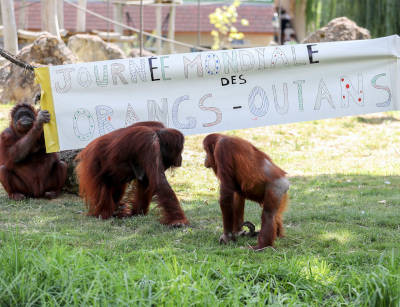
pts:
pixel 141 152
pixel 245 172
pixel 26 170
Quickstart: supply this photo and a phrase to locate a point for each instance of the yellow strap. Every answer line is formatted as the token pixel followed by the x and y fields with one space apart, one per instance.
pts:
pixel 42 77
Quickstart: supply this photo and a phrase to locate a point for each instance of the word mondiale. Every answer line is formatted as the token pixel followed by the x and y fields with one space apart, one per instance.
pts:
pixel 155 69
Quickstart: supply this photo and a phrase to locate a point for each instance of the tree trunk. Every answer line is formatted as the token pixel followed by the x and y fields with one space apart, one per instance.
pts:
pixel 81 17
pixel 158 28
pixel 60 13
pixel 10 27
pixel 118 16
pixel 49 17
pixel 171 27
pixel 21 15
pixel 300 19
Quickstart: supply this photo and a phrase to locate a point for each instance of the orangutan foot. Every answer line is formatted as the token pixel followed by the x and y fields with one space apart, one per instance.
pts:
pixel 226 237
pixel 178 223
pixel 123 210
pixel 17 196
pixel 50 194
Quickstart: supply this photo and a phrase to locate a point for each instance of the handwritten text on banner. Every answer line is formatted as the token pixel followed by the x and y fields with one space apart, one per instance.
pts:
pixel 221 90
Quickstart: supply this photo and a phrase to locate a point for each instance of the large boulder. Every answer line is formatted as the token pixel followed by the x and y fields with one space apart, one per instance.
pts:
pixel 89 48
pixel 16 83
pixel 135 53
pixel 338 29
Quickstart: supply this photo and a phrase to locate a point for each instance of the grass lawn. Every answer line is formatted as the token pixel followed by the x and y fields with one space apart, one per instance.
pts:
pixel 341 246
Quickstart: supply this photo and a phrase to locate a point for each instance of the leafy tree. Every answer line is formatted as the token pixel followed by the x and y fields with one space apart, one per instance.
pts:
pixel 380 17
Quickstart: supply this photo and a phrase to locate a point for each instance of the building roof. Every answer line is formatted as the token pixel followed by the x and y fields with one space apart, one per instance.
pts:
pixel 258 15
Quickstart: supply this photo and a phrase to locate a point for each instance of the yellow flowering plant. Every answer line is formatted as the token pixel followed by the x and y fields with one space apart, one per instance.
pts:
pixel 223 20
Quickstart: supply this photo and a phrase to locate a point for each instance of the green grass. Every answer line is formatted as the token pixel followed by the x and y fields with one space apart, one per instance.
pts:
pixel 341 246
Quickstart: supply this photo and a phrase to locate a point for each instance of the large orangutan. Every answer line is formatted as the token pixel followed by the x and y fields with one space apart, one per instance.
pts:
pixel 130 193
pixel 140 152
pixel 245 172
pixel 26 170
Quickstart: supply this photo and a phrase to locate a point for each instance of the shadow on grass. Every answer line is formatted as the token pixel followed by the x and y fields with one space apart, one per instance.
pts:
pixel 332 211
pixel 376 120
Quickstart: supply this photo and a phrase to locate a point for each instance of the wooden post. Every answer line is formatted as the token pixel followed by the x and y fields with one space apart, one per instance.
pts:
pixel 198 42
pixel 81 17
pixel 118 16
pixel 300 19
pixel 10 27
pixel 141 28
pixel 159 28
pixel 43 15
pixel 60 13
pixel 171 27
pixel 21 15
pixel 49 17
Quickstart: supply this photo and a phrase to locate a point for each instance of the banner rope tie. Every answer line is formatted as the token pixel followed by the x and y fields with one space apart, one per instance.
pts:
pixel 26 66
pixel 13 59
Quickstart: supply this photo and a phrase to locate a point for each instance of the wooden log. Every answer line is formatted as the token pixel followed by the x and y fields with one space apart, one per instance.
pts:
pixel 115 37
pixel 111 35
pixel 32 35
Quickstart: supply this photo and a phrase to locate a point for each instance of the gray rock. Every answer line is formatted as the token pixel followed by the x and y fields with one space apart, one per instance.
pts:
pixel 338 29
pixel 89 48
pixel 135 53
pixel 16 83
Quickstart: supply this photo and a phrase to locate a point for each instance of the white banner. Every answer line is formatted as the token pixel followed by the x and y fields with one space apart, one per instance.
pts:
pixel 220 90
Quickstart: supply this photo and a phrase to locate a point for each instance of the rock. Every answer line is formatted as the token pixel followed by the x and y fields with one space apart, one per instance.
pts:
pixel 71 184
pixel 135 53
pixel 89 48
pixel 338 29
pixel 16 83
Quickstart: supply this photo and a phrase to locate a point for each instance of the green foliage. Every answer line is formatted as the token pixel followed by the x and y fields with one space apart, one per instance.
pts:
pixel 380 17
pixel 341 245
